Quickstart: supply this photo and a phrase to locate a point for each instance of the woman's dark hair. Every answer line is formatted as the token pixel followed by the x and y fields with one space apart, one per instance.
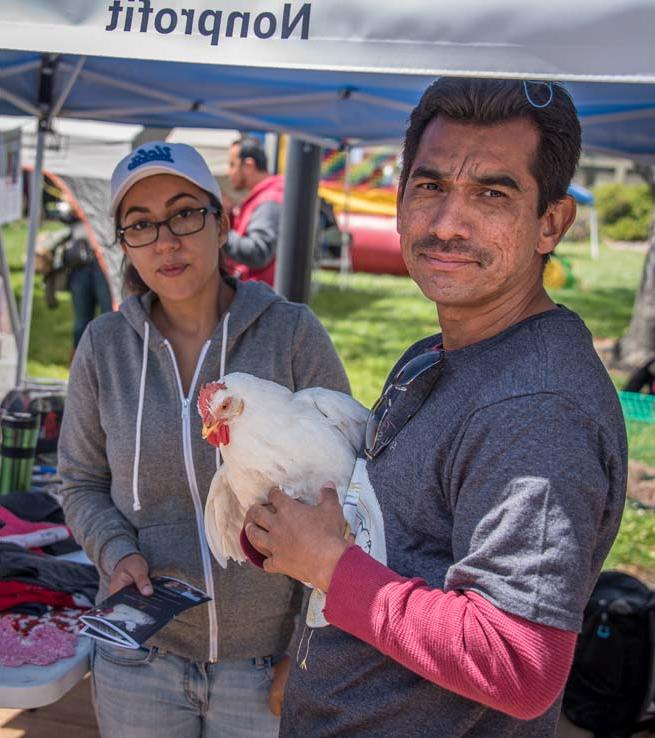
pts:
pixel 490 101
pixel 132 282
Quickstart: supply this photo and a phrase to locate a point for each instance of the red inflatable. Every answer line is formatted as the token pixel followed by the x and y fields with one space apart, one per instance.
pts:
pixel 375 243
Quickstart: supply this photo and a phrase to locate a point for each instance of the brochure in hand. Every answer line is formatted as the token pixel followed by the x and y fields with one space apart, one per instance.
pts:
pixel 128 618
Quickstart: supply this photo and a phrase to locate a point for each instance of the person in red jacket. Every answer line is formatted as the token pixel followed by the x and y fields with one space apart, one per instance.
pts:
pixel 252 240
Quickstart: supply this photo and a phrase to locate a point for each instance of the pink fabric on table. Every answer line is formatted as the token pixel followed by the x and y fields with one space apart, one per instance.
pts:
pixel 43 644
pixel 64 618
pixel 458 640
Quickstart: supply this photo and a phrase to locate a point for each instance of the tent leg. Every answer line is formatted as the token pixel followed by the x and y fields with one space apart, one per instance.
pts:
pixel 11 302
pixel 36 191
pixel 346 266
pixel 298 222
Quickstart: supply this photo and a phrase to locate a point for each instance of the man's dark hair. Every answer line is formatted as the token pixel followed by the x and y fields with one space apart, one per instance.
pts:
pixel 491 101
pixel 251 148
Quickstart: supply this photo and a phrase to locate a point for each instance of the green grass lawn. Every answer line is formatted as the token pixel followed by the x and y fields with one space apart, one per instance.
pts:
pixel 604 292
pixel 372 319
pixel 51 334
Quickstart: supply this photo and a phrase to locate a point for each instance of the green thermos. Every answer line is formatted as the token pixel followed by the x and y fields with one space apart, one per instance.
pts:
pixel 19 433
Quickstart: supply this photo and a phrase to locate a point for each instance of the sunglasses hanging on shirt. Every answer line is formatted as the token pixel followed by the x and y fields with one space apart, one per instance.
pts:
pixel 382 425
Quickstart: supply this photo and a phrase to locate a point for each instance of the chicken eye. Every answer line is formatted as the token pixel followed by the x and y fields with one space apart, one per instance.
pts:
pixel 225 405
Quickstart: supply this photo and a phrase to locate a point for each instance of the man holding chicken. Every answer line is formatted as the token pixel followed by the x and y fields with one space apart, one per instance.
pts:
pixel 497 480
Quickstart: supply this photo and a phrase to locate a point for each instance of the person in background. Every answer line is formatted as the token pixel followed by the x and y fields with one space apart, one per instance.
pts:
pixel 492 480
pixel 255 223
pixel 66 260
pixel 136 472
pixel 87 282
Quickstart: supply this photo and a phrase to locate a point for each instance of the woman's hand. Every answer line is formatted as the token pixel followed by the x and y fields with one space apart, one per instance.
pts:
pixel 131 569
pixel 276 693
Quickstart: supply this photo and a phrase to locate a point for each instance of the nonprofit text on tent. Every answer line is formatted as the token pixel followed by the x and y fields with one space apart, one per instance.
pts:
pixel 142 16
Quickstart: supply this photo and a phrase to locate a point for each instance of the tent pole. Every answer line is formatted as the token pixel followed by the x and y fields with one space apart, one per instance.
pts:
pixel 67 89
pixel 11 301
pixel 298 221
pixel 46 85
pixel 345 266
pixel 36 192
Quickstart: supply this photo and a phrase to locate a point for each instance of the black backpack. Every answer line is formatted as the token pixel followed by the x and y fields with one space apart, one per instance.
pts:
pixel 611 688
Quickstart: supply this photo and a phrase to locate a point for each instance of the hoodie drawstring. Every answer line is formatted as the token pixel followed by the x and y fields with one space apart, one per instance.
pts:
pixel 136 505
pixel 226 320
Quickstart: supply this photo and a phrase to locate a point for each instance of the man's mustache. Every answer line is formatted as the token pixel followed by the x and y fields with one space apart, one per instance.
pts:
pixel 458 248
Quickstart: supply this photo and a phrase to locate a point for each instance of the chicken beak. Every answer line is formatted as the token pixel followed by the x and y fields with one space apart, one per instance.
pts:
pixel 217 434
pixel 207 429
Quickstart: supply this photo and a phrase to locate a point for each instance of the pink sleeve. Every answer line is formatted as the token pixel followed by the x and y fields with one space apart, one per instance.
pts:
pixel 458 640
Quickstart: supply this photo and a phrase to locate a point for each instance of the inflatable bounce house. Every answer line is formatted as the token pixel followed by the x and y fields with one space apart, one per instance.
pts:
pixel 360 185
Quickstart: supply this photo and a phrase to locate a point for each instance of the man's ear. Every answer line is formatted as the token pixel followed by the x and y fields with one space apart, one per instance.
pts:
pixel 249 164
pixel 399 203
pixel 555 222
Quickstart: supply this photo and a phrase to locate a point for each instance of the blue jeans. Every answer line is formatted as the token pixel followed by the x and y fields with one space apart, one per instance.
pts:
pixel 147 694
pixel 89 289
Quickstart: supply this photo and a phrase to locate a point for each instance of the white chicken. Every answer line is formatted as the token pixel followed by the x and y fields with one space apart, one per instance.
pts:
pixel 270 436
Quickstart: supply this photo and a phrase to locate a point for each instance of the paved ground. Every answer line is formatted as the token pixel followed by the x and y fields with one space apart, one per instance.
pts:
pixel 71 717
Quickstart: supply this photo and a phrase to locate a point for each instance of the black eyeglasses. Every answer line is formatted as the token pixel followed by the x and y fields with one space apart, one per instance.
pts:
pixel 378 435
pixel 183 223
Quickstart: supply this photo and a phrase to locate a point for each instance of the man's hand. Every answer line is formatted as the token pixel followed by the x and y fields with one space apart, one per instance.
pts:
pixel 302 541
pixel 276 693
pixel 132 569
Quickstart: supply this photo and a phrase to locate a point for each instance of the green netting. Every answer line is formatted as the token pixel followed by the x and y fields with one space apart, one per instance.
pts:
pixel 639 414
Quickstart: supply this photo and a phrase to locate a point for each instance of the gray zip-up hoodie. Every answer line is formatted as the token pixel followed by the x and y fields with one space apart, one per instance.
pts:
pixel 136 471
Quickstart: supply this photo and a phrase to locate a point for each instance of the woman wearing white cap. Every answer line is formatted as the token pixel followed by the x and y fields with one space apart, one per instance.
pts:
pixel 136 471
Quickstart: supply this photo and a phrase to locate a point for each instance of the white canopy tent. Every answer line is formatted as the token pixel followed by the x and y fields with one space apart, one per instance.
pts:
pixel 81 155
pixel 324 72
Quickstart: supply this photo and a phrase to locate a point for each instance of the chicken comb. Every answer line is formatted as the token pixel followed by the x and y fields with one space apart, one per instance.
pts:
pixel 205 395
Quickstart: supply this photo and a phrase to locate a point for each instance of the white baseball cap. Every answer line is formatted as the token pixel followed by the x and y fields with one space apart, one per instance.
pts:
pixel 161 157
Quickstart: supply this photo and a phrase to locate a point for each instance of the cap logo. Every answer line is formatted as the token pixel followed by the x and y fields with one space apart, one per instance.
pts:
pixel 143 156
